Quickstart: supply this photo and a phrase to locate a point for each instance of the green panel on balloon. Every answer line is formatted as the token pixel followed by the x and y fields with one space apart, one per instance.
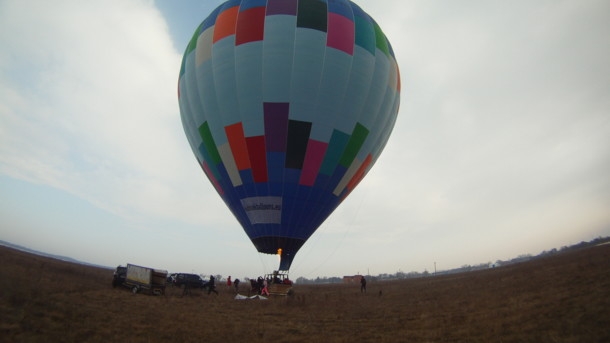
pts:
pixel 208 142
pixel 354 144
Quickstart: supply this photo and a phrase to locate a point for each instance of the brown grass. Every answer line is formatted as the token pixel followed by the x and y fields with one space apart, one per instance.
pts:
pixel 563 298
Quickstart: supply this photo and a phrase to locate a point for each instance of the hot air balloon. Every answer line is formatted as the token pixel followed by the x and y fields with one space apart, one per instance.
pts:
pixel 287 104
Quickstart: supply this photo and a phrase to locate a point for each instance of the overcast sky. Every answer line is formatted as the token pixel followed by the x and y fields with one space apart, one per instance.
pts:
pixel 501 147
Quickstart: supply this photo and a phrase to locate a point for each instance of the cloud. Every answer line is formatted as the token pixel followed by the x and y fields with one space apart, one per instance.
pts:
pixel 503 130
pixel 90 106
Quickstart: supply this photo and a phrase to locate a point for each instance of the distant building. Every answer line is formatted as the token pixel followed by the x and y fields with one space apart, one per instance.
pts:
pixel 352 279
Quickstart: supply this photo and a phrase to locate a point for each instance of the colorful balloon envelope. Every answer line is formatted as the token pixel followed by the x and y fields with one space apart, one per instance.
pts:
pixel 287 104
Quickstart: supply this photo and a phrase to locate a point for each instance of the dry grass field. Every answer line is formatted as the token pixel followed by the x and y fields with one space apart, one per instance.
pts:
pixel 562 298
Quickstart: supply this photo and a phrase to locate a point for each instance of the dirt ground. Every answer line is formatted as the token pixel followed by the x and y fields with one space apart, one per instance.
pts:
pixel 561 298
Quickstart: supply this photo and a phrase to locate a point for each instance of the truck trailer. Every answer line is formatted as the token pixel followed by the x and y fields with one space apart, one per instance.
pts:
pixel 144 279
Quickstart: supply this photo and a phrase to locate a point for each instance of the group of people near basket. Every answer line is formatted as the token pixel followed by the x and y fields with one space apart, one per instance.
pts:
pixel 258 286
pixel 261 285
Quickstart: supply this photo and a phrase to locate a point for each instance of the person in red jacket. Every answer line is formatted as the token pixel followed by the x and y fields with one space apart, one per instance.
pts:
pixel 265 290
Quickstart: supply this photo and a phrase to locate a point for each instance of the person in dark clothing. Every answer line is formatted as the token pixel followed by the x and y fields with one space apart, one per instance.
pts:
pixel 186 290
pixel 236 284
pixel 362 285
pixel 211 285
pixel 259 282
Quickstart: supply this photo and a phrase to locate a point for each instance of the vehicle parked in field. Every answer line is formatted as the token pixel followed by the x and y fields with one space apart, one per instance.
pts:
pixel 118 278
pixel 170 278
pixel 188 280
pixel 140 279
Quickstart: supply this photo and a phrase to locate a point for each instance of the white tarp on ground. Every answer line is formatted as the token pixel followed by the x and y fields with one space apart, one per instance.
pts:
pixel 243 297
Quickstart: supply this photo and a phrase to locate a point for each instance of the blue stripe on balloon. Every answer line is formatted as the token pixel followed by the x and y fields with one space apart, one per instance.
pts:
pixel 211 19
pixel 248 4
pixel 275 163
pixel 341 7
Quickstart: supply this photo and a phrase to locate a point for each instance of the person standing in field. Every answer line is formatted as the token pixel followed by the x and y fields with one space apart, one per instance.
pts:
pixel 265 290
pixel 211 285
pixel 362 285
pixel 236 283
pixel 229 281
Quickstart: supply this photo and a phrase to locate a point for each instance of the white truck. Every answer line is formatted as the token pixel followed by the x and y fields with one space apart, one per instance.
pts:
pixel 144 279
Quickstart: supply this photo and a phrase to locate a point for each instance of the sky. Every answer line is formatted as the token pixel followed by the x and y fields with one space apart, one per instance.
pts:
pixel 501 147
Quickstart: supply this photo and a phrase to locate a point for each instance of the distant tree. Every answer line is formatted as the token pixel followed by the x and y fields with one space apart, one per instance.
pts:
pixel 464 268
pixel 413 274
pixel 303 281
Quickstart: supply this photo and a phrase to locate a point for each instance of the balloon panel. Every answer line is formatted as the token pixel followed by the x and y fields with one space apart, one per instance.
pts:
pixel 287 105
